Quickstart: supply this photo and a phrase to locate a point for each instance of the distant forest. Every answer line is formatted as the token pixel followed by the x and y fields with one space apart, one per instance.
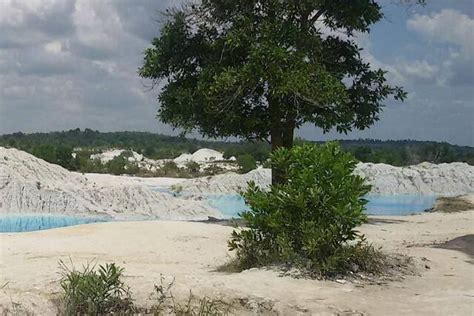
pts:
pixel 57 147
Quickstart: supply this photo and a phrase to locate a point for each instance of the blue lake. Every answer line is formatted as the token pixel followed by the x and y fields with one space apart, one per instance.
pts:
pixel 231 205
pixel 27 223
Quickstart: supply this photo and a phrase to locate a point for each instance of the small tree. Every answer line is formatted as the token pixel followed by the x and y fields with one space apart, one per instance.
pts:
pixel 117 165
pixel 246 162
pixel 64 157
pixel 311 219
pixel 261 69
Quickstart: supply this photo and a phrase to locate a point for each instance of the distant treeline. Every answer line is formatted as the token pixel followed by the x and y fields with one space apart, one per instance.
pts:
pixel 57 147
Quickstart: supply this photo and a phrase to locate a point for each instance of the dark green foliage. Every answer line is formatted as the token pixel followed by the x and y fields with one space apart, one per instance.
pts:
pixel 193 167
pixel 64 157
pixel 94 291
pixel 83 163
pixel 259 70
pixel 402 153
pixel 310 220
pixel 169 168
pixel 45 152
pixel 61 155
pixel 117 165
pixel 246 163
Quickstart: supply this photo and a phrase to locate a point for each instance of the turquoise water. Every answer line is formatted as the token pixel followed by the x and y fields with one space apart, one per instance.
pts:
pixel 27 223
pixel 230 205
pixel 399 204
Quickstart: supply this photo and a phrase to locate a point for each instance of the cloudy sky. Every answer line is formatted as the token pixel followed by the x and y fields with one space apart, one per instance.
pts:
pixel 72 63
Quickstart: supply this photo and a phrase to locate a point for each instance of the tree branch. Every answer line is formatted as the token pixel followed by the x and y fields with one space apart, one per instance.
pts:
pixel 316 16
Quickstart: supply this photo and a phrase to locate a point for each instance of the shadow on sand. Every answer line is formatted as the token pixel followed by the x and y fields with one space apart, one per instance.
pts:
pixel 377 221
pixel 464 244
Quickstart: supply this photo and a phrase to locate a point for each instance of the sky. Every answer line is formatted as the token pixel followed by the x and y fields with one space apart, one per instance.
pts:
pixel 73 63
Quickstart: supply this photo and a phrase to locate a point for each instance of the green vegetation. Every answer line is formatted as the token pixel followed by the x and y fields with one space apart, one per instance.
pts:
pixel 259 71
pixel 57 147
pixel 94 291
pixel 246 162
pixel 102 292
pixel 309 221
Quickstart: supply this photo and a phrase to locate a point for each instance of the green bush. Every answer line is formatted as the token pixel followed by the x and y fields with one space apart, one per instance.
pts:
pixel 117 165
pixel 94 292
pixel 193 167
pixel 310 221
pixel 246 162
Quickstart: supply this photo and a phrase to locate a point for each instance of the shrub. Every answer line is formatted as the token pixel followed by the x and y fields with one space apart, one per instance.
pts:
pixel 94 292
pixel 246 162
pixel 193 167
pixel 212 170
pixel 310 221
pixel 117 165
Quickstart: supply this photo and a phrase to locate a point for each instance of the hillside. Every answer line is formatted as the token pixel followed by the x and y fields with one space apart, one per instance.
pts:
pixel 31 185
pixel 54 146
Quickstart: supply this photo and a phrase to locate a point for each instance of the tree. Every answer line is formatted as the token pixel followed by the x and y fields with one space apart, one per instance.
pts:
pixel 64 157
pixel 117 165
pixel 45 152
pixel 260 69
pixel 246 162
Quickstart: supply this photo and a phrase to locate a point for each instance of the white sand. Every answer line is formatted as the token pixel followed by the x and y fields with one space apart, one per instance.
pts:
pixel 109 155
pixel 108 179
pixel 31 185
pixel 200 156
pixel 426 178
pixel 190 252
pixel 429 179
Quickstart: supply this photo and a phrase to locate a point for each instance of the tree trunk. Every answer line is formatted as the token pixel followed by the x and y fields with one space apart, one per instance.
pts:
pixel 281 133
pixel 281 136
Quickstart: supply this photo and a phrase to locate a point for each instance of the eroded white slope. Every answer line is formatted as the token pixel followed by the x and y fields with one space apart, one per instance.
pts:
pixel 31 185
pixel 426 178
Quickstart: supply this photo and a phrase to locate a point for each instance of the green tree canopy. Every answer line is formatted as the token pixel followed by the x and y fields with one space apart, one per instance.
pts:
pixel 260 69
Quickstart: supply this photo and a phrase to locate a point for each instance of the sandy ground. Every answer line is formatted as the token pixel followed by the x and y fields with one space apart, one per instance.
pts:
pixel 190 252
pixel 108 179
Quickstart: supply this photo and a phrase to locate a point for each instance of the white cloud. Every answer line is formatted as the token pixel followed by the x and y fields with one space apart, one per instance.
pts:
pixel 54 47
pixel 449 26
pixel 453 28
pixel 97 26
pixel 420 69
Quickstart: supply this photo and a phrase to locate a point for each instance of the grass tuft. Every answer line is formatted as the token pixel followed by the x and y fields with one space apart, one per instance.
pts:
pixel 94 290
